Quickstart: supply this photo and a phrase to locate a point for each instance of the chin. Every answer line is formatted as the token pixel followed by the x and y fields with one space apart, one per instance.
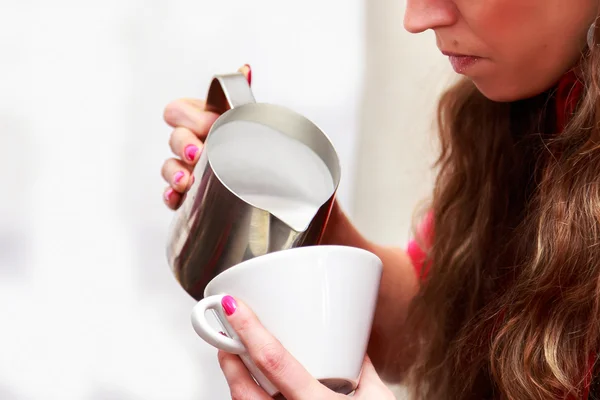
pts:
pixel 502 92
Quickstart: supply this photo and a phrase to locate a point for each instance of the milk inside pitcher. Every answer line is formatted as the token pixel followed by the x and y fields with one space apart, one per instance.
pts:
pixel 271 171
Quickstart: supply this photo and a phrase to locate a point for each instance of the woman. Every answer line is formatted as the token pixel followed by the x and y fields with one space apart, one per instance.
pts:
pixel 505 303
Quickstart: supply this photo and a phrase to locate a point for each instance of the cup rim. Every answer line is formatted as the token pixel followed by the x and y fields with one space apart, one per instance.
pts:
pixel 283 253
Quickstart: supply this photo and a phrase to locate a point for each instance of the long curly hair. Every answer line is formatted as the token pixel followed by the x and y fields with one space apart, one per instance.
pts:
pixel 510 306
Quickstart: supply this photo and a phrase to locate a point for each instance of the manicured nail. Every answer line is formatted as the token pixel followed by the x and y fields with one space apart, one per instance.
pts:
pixel 178 176
pixel 190 152
pixel 249 73
pixel 229 305
pixel 168 194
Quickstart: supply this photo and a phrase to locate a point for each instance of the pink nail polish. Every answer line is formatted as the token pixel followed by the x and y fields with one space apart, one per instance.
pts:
pixel 190 152
pixel 178 176
pixel 168 194
pixel 229 305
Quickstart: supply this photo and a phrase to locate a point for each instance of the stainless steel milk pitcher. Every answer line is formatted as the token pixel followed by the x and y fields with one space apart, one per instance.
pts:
pixel 251 165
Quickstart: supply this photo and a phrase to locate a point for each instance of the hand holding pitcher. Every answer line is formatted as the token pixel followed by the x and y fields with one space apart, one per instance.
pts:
pixel 191 123
pixel 265 181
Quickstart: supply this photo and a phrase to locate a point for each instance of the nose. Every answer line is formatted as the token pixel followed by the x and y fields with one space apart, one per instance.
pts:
pixel 421 15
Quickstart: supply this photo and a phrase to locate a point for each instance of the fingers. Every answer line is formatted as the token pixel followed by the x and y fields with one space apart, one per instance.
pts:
pixel 190 114
pixel 172 198
pixel 368 375
pixel 177 174
pixel 186 145
pixel 247 71
pixel 371 385
pixel 241 384
pixel 191 123
pixel 283 370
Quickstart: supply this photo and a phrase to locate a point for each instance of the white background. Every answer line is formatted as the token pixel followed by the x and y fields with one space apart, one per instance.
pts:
pixel 88 306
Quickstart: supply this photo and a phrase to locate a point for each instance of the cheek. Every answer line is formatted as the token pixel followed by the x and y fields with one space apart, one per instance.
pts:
pixel 530 43
pixel 506 25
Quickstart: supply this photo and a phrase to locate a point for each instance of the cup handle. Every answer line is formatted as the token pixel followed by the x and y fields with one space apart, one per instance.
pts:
pixel 228 91
pixel 206 331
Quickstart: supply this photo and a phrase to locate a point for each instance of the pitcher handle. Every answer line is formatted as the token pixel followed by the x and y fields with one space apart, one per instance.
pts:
pixel 228 91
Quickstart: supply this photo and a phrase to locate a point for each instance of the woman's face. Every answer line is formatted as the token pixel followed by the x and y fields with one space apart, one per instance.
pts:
pixel 510 49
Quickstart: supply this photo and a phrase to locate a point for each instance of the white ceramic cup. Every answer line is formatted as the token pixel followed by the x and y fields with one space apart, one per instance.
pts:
pixel 318 301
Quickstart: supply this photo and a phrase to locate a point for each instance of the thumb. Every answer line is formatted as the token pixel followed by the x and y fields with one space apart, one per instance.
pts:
pixel 247 71
pixel 369 379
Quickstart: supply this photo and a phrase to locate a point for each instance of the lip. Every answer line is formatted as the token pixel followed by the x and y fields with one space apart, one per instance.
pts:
pixel 461 63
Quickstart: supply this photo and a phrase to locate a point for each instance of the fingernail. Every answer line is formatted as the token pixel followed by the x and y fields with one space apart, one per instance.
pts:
pixel 229 305
pixel 249 73
pixel 178 176
pixel 190 152
pixel 168 194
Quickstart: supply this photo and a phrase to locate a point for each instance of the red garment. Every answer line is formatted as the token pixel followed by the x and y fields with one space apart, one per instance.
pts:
pixel 568 92
pixel 414 250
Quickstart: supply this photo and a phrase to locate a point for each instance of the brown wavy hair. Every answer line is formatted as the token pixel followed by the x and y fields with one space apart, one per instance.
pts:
pixel 510 308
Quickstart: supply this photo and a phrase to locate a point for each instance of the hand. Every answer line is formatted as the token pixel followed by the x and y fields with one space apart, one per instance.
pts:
pixel 191 124
pixel 285 372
